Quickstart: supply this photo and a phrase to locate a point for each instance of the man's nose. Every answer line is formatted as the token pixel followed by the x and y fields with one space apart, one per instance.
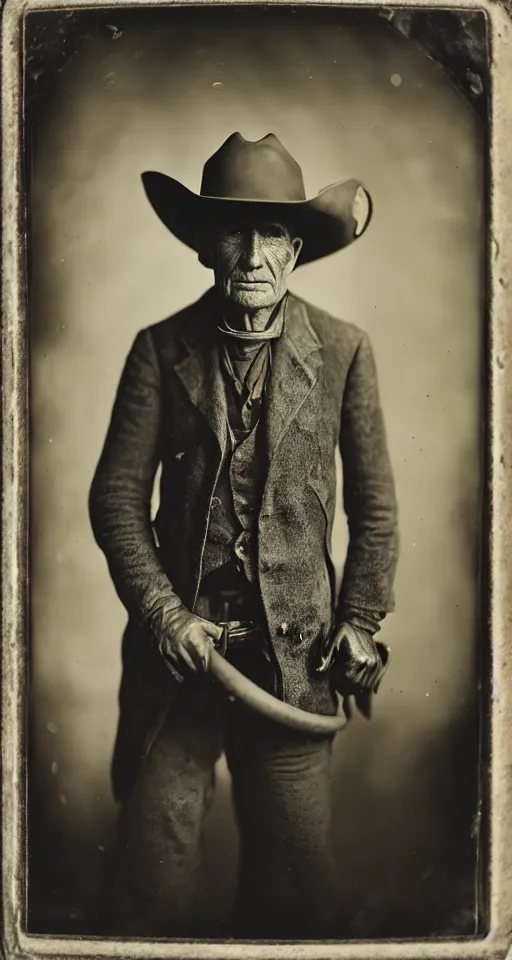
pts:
pixel 252 253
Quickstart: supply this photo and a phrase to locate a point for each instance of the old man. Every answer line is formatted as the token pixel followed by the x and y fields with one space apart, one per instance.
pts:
pixel 241 400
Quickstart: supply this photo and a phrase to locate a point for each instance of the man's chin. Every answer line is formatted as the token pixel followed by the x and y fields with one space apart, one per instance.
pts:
pixel 253 298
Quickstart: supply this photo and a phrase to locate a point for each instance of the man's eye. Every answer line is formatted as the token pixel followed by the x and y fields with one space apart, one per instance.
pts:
pixel 273 230
pixel 228 232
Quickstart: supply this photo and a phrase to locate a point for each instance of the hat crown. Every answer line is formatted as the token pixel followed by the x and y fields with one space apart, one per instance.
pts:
pixel 253 170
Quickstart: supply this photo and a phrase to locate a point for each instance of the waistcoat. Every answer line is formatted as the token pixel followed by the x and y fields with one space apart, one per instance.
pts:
pixel 233 524
pixel 232 530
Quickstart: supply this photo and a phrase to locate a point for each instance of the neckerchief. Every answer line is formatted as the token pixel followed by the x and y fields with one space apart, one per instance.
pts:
pixel 246 359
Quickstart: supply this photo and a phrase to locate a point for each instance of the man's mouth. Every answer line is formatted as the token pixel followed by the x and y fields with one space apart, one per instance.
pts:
pixel 250 283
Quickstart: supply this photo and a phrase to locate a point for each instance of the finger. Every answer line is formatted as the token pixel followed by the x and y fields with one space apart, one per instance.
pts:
pixel 373 676
pixel 325 664
pixel 342 647
pixel 212 629
pixel 377 679
pixel 199 649
pixel 207 652
pixel 362 683
pixel 171 655
pixel 325 659
pixel 339 638
pixel 185 656
pixel 355 669
pixel 363 678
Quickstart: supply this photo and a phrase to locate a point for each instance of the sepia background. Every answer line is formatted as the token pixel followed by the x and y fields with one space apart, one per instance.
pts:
pixel 162 89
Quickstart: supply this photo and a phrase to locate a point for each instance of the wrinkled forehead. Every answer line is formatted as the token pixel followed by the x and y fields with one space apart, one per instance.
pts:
pixel 247 228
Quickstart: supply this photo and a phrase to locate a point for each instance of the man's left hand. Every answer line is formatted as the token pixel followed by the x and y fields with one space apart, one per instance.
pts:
pixel 353 653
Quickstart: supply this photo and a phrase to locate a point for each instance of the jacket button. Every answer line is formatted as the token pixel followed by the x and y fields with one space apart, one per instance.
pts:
pixel 283 629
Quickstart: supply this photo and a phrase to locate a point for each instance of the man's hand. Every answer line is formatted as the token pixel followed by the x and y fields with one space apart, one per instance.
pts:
pixel 189 640
pixel 353 654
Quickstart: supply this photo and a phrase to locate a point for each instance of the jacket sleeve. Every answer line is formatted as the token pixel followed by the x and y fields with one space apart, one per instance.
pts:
pixel 120 495
pixel 368 495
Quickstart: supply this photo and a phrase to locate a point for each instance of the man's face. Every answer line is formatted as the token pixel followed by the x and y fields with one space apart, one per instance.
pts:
pixel 253 263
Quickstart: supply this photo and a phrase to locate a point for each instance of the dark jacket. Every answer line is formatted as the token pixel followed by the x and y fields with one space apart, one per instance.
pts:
pixel 170 409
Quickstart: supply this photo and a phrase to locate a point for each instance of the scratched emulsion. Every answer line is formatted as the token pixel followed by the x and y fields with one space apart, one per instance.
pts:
pixel 160 91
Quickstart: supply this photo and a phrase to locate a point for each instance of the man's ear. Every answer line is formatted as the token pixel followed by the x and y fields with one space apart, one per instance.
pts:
pixel 297 247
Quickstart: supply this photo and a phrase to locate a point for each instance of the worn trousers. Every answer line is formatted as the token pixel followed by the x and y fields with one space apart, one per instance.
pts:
pixel 287 880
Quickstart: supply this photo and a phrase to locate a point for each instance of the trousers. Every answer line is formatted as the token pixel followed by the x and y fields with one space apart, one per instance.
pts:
pixel 287 879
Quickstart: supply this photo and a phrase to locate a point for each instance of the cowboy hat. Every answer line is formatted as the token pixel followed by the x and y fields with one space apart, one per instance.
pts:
pixel 246 176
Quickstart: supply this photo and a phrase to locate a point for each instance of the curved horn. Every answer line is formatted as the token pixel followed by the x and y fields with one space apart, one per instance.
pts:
pixel 253 696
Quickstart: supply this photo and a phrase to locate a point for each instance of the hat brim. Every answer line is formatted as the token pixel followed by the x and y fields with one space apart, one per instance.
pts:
pixel 332 220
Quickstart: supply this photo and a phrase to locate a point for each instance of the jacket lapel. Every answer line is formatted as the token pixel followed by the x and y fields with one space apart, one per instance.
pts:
pixel 295 366
pixel 201 374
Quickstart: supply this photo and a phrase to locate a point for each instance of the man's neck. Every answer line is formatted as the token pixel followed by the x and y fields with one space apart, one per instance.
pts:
pixel 250 320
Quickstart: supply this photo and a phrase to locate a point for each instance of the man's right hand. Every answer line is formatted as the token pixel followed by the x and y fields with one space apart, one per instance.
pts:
pixel 189 640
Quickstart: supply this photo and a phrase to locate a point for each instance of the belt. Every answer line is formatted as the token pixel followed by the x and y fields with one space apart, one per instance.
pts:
pixel 237 633
pixel 235 608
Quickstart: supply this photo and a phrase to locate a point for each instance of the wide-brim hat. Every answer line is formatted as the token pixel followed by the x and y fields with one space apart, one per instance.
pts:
pixel 248 180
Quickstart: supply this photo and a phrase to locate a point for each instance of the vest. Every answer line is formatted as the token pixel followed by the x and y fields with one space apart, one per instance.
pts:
pixel 233 525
